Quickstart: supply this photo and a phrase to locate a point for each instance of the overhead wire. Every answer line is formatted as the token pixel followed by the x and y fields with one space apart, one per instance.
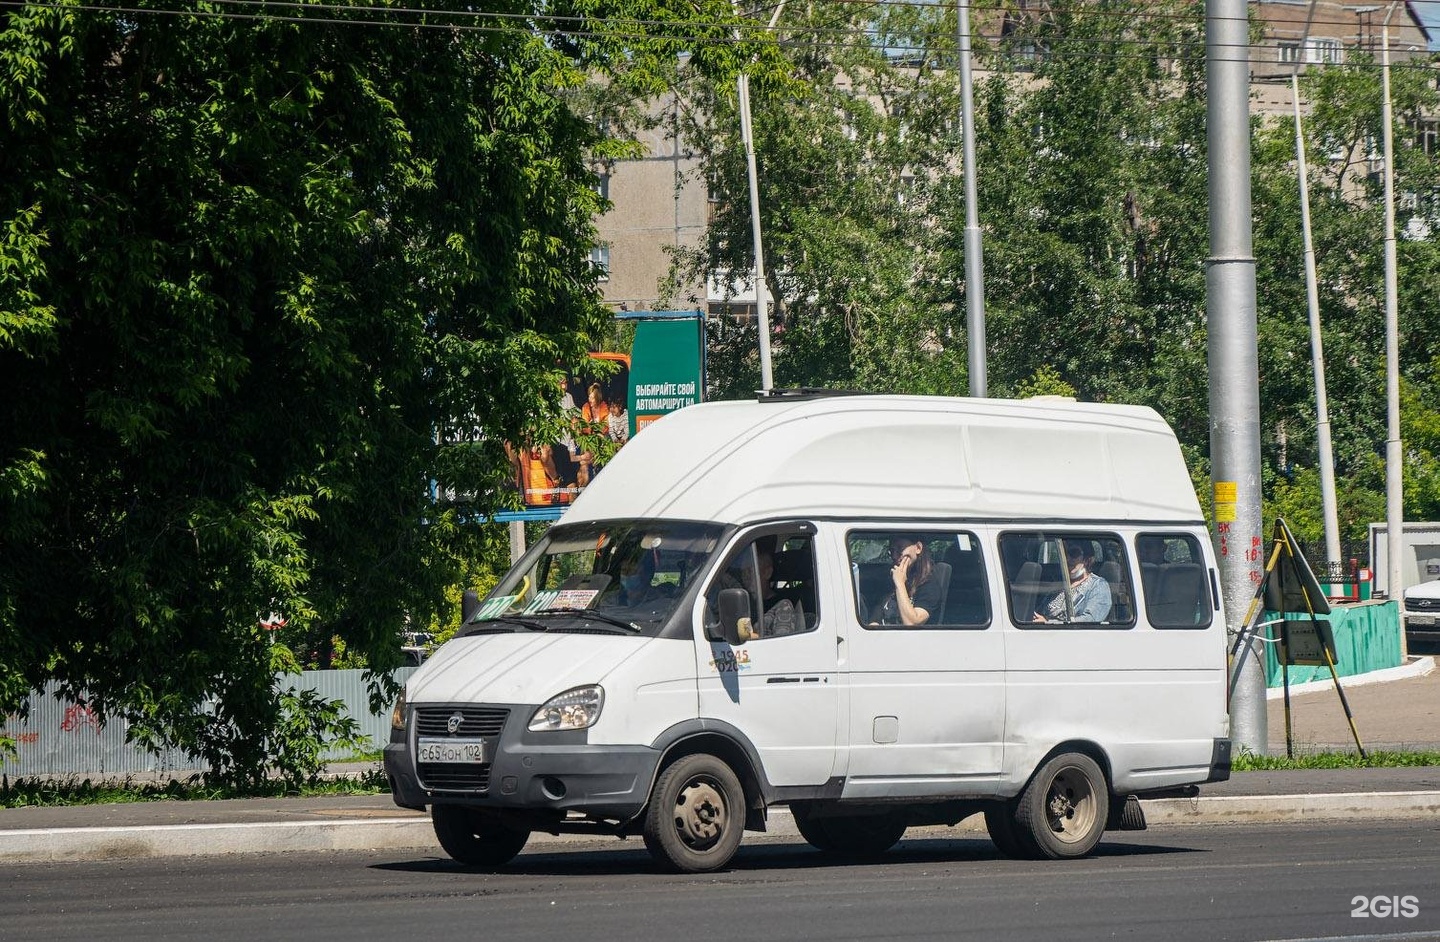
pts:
pixel 640 29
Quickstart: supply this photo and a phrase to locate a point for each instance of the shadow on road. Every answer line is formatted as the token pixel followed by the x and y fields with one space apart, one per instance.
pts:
pixel 762 857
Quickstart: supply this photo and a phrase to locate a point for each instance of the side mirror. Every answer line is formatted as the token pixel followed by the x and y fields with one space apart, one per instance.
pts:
pixel 469 605
pixel 735 623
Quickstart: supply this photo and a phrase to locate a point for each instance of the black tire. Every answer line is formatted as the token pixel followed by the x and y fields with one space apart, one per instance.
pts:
pixel 474 839
pixel 863 835
pixel 813 830
pixel 1064 808
pixel 1000 822
pixel 696 815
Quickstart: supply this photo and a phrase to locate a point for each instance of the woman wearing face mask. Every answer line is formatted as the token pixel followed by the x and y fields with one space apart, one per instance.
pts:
pixel 637 575
pixel 1089 594
pixel 916 596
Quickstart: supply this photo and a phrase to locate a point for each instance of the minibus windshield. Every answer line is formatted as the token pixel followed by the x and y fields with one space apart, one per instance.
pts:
pixel 617 576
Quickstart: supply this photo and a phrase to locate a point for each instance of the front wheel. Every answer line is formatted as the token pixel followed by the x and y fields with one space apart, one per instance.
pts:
pixel 475 839
pixel 1062 811
pixel 696 815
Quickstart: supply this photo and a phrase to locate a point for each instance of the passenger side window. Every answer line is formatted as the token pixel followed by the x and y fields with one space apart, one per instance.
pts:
pixel 1176 583
pixel 778 572
pixel 944 578
pixel 1067 579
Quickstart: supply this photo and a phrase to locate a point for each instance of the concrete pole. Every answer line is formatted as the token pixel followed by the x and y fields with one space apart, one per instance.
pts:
pixel 517 540
pixel 1317 348
pixel 1394 464
pixel 1233 358
pixel 974 258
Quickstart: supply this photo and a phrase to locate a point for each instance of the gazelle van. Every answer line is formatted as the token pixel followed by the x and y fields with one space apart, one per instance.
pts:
pixel 879 611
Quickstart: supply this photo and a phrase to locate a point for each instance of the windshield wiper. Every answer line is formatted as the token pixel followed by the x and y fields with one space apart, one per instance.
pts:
pixel 591 613
pixel 476 627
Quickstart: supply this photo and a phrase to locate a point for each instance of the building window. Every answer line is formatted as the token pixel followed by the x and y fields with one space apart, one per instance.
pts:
pixel 602 185
pixel 1323 50
pixel 600 261
pixel 1289 53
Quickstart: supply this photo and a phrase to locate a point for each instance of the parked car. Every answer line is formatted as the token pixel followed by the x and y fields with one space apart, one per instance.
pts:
pixel 1422 616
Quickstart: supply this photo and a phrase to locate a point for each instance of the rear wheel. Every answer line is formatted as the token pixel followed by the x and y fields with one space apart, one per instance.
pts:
pixel 696 815
pixel 1063 809
pixel 475 839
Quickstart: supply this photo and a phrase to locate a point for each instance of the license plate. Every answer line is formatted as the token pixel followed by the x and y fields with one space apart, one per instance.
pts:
pixel 450 750
pixel 1426 620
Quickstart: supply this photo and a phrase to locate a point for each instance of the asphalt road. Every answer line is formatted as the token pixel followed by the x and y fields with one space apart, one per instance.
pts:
pixel 1171 884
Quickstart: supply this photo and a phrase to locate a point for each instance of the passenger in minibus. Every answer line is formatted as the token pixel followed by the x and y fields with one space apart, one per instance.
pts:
pixel 917 595
pixel 1089 594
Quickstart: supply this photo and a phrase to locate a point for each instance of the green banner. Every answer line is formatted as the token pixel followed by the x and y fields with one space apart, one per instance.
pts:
pixel 666 365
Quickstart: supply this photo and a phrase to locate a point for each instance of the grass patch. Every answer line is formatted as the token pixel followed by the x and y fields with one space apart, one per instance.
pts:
pixel 49 792
pixel 1246 761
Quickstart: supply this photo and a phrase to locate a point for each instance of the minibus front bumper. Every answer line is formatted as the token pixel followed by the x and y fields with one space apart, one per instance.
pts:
pixel 554 772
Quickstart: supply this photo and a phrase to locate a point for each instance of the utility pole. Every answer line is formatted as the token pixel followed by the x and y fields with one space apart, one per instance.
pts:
pixel 974 260
pixel 762 294
pixel 1328 502
pixel 1232 352
pixel 762 307
pixel 1394 464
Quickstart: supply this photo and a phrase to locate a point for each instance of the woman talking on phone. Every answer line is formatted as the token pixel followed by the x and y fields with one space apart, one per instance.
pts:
pixel 917 595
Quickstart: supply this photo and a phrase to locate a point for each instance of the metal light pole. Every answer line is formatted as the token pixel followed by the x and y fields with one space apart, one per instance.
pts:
pixel 762 294
pixel 1317 349
pixel 974 261
pixel 1233 358
pixel 762 307
pixel 1394 466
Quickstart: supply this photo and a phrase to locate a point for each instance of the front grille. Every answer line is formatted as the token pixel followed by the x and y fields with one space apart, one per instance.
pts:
pixel 1422 605
pixel 475 721
pixel 442 777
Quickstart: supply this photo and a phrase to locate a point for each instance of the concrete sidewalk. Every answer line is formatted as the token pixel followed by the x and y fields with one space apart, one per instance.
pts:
pixel 1402 710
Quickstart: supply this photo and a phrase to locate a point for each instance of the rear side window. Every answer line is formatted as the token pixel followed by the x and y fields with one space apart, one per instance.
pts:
pixel 1060 579
pixel 944 578
pixel 1173 575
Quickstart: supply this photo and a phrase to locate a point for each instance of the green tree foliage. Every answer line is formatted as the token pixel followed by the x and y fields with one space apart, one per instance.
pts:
pixel 1092 172
pixel 1093 181
pixel 851 148
pixel 1343 132
pixel 262 281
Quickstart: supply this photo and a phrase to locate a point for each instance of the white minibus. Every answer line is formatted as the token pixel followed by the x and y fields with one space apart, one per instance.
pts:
pixel 879 611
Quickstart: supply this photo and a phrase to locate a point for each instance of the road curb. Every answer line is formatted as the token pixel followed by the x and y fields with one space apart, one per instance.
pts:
pixel 50 845
pixel 1270 809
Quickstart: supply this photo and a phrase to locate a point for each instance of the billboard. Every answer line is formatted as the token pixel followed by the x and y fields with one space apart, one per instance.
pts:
pixel 550 474
pixel 608 404
pixel 669 363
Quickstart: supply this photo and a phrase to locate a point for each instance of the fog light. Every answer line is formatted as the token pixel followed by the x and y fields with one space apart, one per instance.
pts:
pixel 552 788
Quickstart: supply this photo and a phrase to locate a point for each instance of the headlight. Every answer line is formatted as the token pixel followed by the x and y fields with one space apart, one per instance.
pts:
pixel 397 715
pixel 573 709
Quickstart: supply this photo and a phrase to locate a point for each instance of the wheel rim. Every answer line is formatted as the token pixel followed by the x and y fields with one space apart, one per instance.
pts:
pixel 700 815
pixel 1070 806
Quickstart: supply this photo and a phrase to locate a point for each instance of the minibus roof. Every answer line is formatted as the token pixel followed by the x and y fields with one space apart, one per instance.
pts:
pixel 914 457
